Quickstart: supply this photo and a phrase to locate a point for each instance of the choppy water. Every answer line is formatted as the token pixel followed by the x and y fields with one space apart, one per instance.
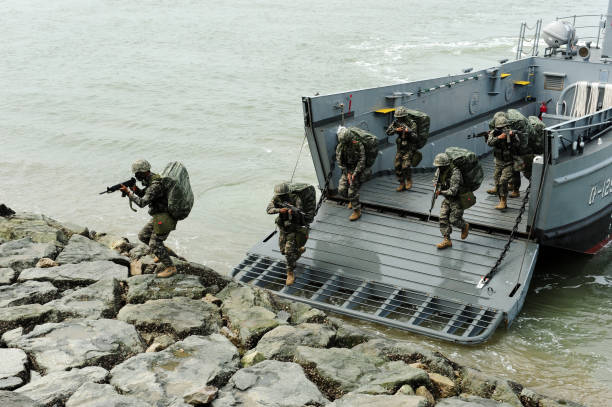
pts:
pixel 86 87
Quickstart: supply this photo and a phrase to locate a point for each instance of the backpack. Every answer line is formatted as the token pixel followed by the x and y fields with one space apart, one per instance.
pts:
pixel 520 123
pixel 468 164
pixel 180 197
pixel 422 120
pixel 537 135
pixel 370 144
pixel 308 196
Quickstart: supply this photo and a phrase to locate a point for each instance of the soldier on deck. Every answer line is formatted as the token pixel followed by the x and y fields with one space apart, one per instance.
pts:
pixel 292 226
pixel 351 158
pixel 505 143
pixel 449 183
pixel 406 130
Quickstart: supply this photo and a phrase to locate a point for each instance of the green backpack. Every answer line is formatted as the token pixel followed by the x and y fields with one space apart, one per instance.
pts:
pixel 468 164
pixel 537 135
pixel 423 121
pixel 370 144
pixel 520 123
pixel 308 196
pixel 180 197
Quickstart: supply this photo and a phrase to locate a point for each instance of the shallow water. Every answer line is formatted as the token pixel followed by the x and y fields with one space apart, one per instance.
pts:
pixel 87 87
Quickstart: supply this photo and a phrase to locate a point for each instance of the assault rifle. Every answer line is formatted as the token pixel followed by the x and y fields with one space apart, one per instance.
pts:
pixel 297 211
pixel 129 183
pixel 435 195
pixel 484 134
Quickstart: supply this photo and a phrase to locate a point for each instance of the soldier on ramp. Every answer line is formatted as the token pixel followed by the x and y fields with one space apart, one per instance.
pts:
pixel 351 158
pixel 407 147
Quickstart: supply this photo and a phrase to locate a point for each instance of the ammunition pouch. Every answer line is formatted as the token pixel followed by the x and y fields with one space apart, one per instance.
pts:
pixel 417 156
pixel 163 223
pixel 467 199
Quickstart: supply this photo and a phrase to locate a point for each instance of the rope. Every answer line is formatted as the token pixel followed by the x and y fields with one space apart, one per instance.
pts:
pixel 579 105
pixel 607 100
pixel 593 98
pixel 298 157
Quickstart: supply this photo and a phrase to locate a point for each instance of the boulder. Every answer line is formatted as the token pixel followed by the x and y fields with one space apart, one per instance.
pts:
pixel 301 313
pixel 13 369
pixel 179 316
pixel 251 358
pixel 202 396
pixel 25 316
pixel 270 383
pixel 406 390
pixel 148 287
pixel 26 293
pixel 338 371
pixel 102 395
pixel 99 300
pixel 74 275
pixel 78 343
pixel 445 386
pixel 161 342
pixel 208 276
pixel 423 392
pixel 470 401
pixel 7 275
pixel 56 387
pixel 163 378
pixel 23 253
pixel 367 400
pixel 479 384
pixel 39 228
pixel 12 399
pixel 81 249
pixel 281 342
pixel 348 335
pixel 46 262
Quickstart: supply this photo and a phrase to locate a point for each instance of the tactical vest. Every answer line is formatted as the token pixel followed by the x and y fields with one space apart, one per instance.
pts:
pixel 160 203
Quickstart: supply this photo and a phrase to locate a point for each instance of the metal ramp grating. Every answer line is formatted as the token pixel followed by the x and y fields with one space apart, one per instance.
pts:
pixel 399 307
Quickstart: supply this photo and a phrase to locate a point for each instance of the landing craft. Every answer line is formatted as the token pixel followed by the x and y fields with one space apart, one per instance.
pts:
pixel 385 268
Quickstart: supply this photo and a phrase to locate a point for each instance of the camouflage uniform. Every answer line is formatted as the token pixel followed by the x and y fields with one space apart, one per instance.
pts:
pixel 450 181
pixel 351 158
pixel 155 196
pixel 406 146
pixel 504 160
pixel 293 232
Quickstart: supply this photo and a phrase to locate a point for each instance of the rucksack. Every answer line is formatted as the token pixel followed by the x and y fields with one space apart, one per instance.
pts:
pixel 519 123
pixel 370 144
pixel 468 164
pixel 422 120
pixel 537 135
pixel 180 197
pixel 308 196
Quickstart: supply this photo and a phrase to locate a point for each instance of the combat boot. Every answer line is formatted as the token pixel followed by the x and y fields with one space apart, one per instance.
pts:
pixel 445 243
pixel 155 259
pixel 355 215
pixel 350 205
pixel 290 277
pixel 401 187
pixel 502 203
pixel 492 191
pixel 301 250
pixel 408 184
pixel 515 194
pixel 465 231
pixel 167 272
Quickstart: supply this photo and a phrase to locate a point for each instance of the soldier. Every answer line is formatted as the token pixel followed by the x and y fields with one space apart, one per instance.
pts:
pixel 406 130
pixel 155 196
pixel 505 143
pixel 292 226
pixel 351 158
pixel 449 182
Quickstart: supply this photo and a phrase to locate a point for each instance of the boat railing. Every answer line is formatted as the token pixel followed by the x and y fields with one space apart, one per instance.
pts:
pixel 596 29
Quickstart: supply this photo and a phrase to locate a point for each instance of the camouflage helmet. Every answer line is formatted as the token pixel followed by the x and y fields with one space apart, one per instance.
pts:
pixel 281 189
pixel 401 112
pixel 441 160
pixel 343 134
pixel 141 166
pixel 501 121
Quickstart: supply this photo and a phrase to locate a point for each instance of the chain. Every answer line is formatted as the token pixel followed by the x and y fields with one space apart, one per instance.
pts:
pixel 325 191
pixel 512 236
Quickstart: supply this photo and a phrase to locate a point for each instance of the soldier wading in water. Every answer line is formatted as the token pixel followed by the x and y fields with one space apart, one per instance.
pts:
pixel 449 183
pixel 155 196
pixel 292 225
pixel 407 139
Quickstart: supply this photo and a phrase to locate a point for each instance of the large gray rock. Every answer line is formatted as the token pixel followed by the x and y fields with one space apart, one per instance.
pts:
pixel 348 335
pixel 7 275
pixel 73 275
pixel 147 287
pixel 13 369
pixel 208 276
pixel 164 378
pixel 479 384
pixel 339 370
pixel 99 300
pixel 57 387
pixel 12 399
pixel 80 249
pixel 470 402
pixel 23 253
pixel 26 293
pixel 102 395
pixel 26 316
pixel 270 384
pixel 39 228
pixel 79 343
pixel 281 342
pixel 180 316
pixel 366 400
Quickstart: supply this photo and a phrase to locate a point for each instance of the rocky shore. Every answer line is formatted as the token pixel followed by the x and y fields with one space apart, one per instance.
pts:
pixel 83 322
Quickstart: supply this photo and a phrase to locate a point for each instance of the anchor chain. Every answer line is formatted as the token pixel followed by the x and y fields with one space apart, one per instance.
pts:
pixel 484 280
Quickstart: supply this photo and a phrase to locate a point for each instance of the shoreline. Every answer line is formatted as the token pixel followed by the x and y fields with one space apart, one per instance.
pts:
pixel 83 321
